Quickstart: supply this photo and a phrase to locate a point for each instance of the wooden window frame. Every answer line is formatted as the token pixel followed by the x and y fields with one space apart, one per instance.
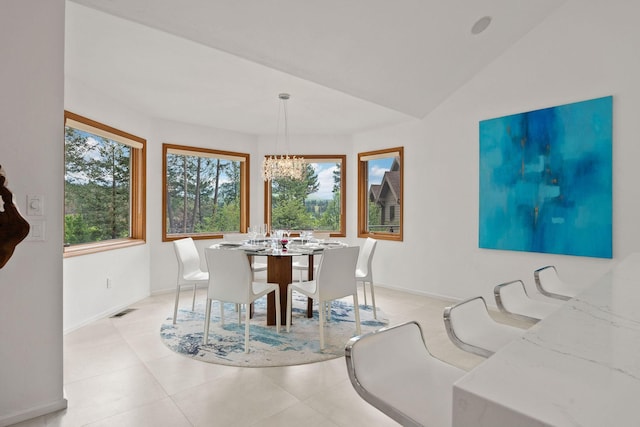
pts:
pixel 343 191
pixel 244 190
pixel 363 195
pixel 138 190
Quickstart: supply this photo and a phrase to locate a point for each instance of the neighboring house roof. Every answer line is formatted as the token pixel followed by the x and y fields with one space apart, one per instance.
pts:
pixel 390 183
pixel 395 166
pixel 374 192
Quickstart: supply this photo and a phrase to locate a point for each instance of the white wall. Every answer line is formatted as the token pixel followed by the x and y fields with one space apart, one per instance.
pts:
pixel 164 267
pixel 585 50
pixel 31 113
pixel 142 270
pixel 86 296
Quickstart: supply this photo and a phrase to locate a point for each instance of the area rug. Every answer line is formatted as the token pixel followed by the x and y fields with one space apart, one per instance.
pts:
pixel 266 346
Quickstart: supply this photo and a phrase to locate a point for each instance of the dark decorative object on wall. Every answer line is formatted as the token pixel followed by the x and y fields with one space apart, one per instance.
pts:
pixel 546 180
pixel 13 227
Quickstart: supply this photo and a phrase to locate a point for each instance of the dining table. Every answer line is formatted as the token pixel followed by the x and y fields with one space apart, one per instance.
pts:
pixel 279 266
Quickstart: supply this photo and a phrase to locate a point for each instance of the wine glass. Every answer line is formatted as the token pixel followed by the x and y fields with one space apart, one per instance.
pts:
pixel 253 233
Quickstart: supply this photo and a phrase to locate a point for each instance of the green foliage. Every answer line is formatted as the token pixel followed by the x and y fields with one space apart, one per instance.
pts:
pixel 288 197
pixel 97 188
pixel 291 214
pixel 76 230
pixel 330 219
pixel 293 209
pixel 203 194
pixel 227 218
pixel 375 217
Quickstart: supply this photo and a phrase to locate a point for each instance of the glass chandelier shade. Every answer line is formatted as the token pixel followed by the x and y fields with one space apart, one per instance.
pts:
pixel 284 165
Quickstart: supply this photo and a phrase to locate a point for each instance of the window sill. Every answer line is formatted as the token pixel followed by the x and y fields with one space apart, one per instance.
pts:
pixel 397 237
pixel 91 248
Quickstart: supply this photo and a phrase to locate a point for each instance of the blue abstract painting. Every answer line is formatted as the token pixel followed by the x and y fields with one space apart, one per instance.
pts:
pixel 546 180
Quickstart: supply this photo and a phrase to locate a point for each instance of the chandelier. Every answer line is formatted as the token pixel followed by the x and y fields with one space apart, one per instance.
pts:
pixel 284 165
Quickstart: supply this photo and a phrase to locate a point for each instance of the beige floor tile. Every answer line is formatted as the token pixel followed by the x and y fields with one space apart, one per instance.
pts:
pixel 344 407
pixel 239 398
pixel 94 334
pixel 148 345
pixel 176 373
pixel 163 413
pixel 296 416
pixel 304 381
pixel 97 360
pixel 106 395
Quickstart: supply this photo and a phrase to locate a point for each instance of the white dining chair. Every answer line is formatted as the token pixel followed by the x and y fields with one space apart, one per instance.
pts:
pixel 471 328
pixel 334 280
pixel 301 264
pixel 258 264
pixel 549 284
pixel 231 280
pixel 364 272
pixel 393 370
pixel 189 270
pixel 513 300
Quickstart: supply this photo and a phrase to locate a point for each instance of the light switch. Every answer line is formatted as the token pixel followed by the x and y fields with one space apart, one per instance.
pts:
pixel 35 205
pixel 36 231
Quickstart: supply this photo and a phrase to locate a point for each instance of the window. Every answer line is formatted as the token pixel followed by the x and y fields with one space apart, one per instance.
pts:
pixel 380 194
pixel 104 191
pixel 316 203
pixel 205 192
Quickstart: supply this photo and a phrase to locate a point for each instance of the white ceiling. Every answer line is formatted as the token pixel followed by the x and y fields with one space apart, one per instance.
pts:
pixel 349 65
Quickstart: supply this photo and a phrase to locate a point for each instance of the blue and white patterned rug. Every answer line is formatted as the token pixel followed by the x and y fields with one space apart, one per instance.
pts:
pixel 266 346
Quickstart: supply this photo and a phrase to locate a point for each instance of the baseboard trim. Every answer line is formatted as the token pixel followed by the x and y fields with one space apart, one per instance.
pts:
pixel 33 413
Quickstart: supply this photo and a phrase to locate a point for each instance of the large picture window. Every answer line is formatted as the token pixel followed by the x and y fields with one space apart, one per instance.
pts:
pixel 205 192
pixel 104 203
pixel 380 194
pixel 317 202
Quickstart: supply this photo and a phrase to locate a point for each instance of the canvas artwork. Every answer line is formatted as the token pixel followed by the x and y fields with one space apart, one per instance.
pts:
pixel 546 180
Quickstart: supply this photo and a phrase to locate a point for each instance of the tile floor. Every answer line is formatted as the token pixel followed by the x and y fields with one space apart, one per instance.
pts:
pixel 117 372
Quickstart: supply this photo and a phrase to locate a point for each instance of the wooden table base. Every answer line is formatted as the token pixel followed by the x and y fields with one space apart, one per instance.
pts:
pixel 279 271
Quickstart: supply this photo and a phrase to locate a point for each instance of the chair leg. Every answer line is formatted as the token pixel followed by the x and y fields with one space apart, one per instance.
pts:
pixel 175 306
pixel 221 313
pixel 289 292
pixel 373 300
pixel 364 292
pixel 278 319
pixel 240 312
pixel 246 331
pixel 321 307
pixel 193 302
pixel 207 319
pixel 356 312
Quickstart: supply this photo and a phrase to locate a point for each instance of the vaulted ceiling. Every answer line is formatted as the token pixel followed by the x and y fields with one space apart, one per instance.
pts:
pixel 349 65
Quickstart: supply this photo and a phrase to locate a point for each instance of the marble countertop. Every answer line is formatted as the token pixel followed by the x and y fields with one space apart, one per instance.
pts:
pixel 580 366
